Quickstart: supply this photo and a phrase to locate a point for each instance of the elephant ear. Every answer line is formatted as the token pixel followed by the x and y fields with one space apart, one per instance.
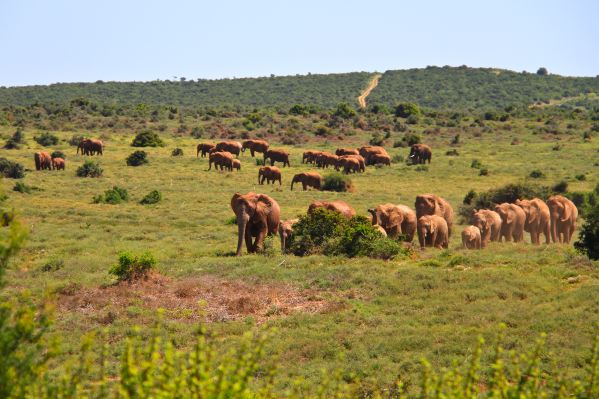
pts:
pixel 433 226
pixel 567 214
pixel 395 217
pixel 510 217
pixel 533 211
pixel 234 200
pixel 264 202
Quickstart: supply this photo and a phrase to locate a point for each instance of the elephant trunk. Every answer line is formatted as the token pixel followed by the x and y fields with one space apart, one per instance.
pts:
pixel 283 242
pixel 292 181
pixel 242 221
pixel 259 176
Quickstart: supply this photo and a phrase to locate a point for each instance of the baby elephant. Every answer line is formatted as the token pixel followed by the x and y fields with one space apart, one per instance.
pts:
pixel 58 163
pixel 285 231
pixel 433 232
pixel 237 164
pixel 471 238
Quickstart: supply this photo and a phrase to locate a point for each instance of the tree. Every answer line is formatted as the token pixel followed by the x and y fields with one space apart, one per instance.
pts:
pixel 542 71
pixel 344 111
pixel 405 110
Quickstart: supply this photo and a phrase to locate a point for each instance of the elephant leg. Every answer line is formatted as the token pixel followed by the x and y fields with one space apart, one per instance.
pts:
pixel 509 234
pixel 259 242
pixel 304 186
pixel 248 240
pixel 280 183
pixel 567 234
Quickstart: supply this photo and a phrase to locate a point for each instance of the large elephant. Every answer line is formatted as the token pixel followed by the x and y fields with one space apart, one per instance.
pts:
pixel 471 238
pixel 326 159
pixel 277 156
pixel 346 151
pixel 380 159
pixel 270 174
pixel 90 147
pixel 58 163
pixel 255 146
pixel 42 160
pixel 258 216
pixel 563 218
pixel 430 204
pixel 308 179
pixel 285 232
pixel 538 219
pixel 512 221
pixel 433 232
pixel 371 151
pixel 337 206
pixel 234 147
pixel 310 156
pixel 220 158
pixel 396 220
pixel 489 224
pixel 349 164
pixel 360 159
pixel 420 153
pixel 204 148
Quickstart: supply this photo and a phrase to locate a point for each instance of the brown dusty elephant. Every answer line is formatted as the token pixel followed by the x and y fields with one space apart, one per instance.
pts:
pixel 308 179
pixel 277 156
pixel 42 160
pixel 234 147
pixel 204 148
pixel 432 232
pixel 360 159
pixel 380 159
pixel 396 220
pixel 563 218
pixel 90 147
pixel 349 164
pixel 369 151
pixel 337 206
pixel 58 163
pixel 236 164
pixel 420 153
pixel 430 204
pixel 220 158
pixel 258 216
pixel 512 221
pixel 255 146
pixel 326 159
pixel 538 219
pixel 471 238
pixel 285 232
pixel 489 224
pixel 310 156
pixel 346 151
pixel 270 174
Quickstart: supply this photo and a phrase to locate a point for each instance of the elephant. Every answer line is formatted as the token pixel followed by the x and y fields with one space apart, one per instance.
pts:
pixel 433 232
pixel 270 174
pixel 380 159
pixel 277 156
pixel 233 147
pixel 310 156
pixel 420 153
pixel 222 159
pixel 90 147
pixel 563 218
pixel 308 179
pixel 346 151
pixel 326 159
pixel 380 230
pixel 58 163
pixel 204 148
pixel 337 206
pixel 255 146
pixel 285 232
pixel 397 220
pixel 369 151
pixel 236 164
pixel 489 223
pixel 349 164
pixel 471 238
pixel 512 221
pixel 258 216
pixel 42 160
pixel 430 204
pixel 538 219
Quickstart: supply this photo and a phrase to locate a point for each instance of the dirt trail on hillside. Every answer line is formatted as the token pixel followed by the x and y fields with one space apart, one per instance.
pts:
pixel 373 83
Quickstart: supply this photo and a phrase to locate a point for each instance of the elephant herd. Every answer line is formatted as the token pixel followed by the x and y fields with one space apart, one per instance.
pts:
pixel 258 216
pixel 44 161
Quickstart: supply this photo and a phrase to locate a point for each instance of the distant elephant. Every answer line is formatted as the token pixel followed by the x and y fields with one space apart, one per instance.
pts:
pixel 360 159
pixel 512 221
pixel 420 153
pixel 337 206
pixel 430 204
pixel 220 158
pixel 58 163
pixel 326 159
pixel 310 156
pixel 563 218
pixel 258 216
pixel 233 147
pixel 204 148
pixel 270 174
pixel 380 159
pixel 538 219
pixel 471 238
pixel 285 232
pixel 349 164
pixel 42 160
pixel 90 147
pixel 255 146
pixel 308 179
pixel 432 232
pixel 371 151
pixel 489 223
pixel 236 164
pixel 396 220
pixel 346 151
pixel 277 156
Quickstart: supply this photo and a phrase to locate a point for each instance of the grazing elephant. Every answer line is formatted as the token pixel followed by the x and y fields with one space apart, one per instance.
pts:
pixel 308 179
pixel 310 156
pixel 337 206
pixel 433 232
pixel 369 151
pixel 223 159
pixel 471 238
pixel 349 164
pixel 285 232
pixel 58 163
pixel 489 223
pixel 420 153
pixel 90 147
pixel 270 174
pixel 233 147
pixel 236 164
pixel 277 156
pixel 396 220
pixel 346 151
pixel 204 148
pixel 563 218
pixel 538 219
pixel 380 159
pixel 43 160
pixel 430 204
pixel 512 221
pixel 258 215
pixel 255 146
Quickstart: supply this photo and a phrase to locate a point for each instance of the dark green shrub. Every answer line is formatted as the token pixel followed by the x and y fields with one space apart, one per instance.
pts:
pixel 323 131
pixel 476 164
pixel 115 195
pixel 90 169
pixel 337 182
pixel 452 153
pixel 137 158
pixel 469 197
pixel 376 139
pixel 75 140
pixel 14 143
pixel 410 139
pixel 560 187
pixel 344 111
pixel 580 177
pixel 153 197
pixel 588 238
pixel 46 139
pixel 52 265
pixel 132 267
pixel 405 110
pixel 483 172
pixel 147 138
pixel 537 174
pixel 58 154
pixel 21 187
pixel 542 71
pixel 11 169
pixel 177 152
pixel 412 120
pixel 455 140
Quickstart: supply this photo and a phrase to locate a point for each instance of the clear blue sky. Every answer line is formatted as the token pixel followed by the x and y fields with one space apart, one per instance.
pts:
pixel 43 41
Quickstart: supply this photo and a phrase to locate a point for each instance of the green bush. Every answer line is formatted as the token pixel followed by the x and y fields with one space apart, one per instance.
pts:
pixel 408 140
pixel 147 138
pixel 132 267
pixel 580 177
pixel 11 169
pixel 588 238
pixel 323 131
pixel 153 197
pixel 337 182
pixel 14 143
pixel 537 174
pixel 560 187
pixel 75 140
pixel 46 139
pixel 476 164
pixel 344 111
pixel 115 195
pixel 137 158
pixel 21 187
pixel 405 110
pixel 58 154
pixel 483 172
pixel 376 139
pixel 90 169
pixel 177 152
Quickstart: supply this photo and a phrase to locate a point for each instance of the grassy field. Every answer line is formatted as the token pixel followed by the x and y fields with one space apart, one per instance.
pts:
pixel 371 319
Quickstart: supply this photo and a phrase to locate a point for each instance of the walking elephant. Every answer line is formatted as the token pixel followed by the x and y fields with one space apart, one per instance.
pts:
pixel 433 232
pixel 538 219
pixel 380 159
pixel 258 216
pixel 204 148
pixel 349 164
pixel 90 147
pixel 563 218
pixel 42 160
pixel 255 146
pixel 285 232
pixel 430 204
pixel 336 206
pixel 368 152
pixel 308 179
pixel 58 164
pixel 233 147
pixel 277 156
pixel 512 221
pixel 420 153
pixel 310 156
pixel 471 238
pixel 236 164
pixel 396 220
pixel 222 159
pixel 346 151
pixel 489 224
pixel 270 174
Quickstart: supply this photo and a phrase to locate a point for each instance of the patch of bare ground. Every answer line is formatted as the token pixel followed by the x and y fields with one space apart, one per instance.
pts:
pixel 205 298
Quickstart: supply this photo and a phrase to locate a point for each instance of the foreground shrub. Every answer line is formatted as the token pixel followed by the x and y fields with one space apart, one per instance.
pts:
pixel 46 139
pixel 11 169
pixel 337 182
pixel 90 169
pixel 588 239
pixel 147 138
pixel 137 158
pixel 115 195
pixel 16 140
pixel 153 197
pixel 131 267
